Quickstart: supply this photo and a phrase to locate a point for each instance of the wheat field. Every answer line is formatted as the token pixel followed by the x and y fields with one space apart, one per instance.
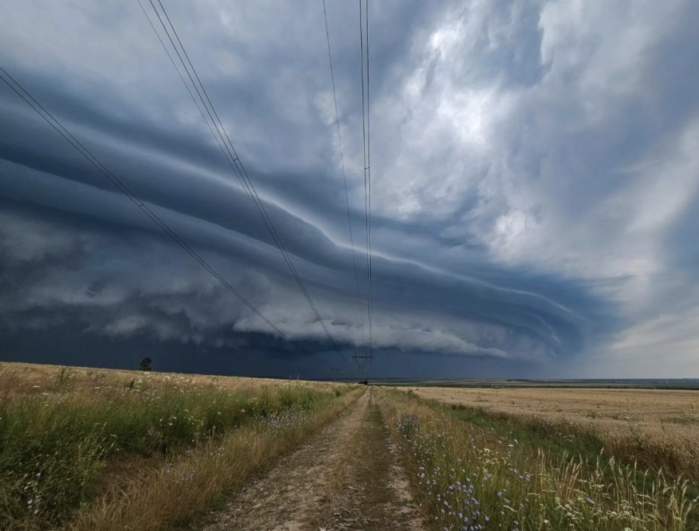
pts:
pixel 661 425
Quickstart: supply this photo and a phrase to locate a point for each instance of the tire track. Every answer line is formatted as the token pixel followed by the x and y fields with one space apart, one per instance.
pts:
pixel 346 477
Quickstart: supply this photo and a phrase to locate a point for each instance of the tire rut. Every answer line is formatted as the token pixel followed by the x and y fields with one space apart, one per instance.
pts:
pixel 345 477
pixel 371 489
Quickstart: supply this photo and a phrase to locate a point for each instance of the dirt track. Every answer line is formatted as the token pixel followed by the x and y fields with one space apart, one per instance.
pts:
pixel 346 477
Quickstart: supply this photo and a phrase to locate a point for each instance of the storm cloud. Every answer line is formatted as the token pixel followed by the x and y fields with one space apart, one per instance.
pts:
pixel 535 185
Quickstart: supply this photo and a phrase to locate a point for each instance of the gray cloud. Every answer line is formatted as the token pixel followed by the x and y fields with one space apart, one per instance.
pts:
pixel 535 179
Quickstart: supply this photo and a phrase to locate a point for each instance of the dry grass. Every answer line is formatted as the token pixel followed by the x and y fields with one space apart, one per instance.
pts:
pixel 185 487
pixel 68 434
pixel 20 379
pixel 469 473
pixel 656 427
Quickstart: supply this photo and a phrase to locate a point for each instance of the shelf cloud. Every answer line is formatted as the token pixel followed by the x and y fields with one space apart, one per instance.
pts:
pixel 535 186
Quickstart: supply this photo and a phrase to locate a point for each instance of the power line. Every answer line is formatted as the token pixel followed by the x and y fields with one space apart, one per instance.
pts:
pixel 174 64
pixel 341 150
pixel 369 180
pixel 123 188
pixel 366 151
pixel 235 161
pixel 230 153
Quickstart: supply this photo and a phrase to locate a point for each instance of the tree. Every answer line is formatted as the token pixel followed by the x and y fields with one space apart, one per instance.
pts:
pixel 146 364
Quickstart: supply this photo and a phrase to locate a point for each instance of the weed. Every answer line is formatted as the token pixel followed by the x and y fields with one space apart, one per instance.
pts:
pixel 54 446
pixel 473 472
pixel 174 494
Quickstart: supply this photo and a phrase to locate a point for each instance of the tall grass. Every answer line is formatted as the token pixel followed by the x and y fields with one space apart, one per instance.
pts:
pixel 673 456
pixel 55 447
pixel 473 477
pixel 187 486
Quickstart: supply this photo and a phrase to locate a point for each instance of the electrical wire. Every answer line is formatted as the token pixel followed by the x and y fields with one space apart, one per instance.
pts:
pixel 120 185
pixel 231 155
pixel 338 131
pixel 366 152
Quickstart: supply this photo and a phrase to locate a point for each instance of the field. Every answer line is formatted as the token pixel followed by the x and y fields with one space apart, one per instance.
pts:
pixel 656 427
pixel 479 468
pixel 85 449
pixel 29 379
pixel 99 449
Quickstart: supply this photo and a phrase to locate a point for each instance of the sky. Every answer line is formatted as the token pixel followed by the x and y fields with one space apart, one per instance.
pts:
pixel 534 189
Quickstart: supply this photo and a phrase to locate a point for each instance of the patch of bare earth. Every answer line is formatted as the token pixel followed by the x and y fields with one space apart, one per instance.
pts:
pixel 346 477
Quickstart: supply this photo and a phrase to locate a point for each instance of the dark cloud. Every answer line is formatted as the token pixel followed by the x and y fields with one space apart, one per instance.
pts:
pixel 535 182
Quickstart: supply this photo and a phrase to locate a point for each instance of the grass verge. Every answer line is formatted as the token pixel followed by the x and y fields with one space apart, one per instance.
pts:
pixel 471 473
pixel 186 486
pixel 56 447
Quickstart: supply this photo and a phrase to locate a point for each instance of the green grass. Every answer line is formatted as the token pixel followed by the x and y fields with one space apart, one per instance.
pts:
pixel 54 448
pixel 184 488
pixel 568 440
pixel 534 432
pixel 474 470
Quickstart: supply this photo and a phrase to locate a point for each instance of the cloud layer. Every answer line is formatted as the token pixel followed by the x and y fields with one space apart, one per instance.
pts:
pixel 535 164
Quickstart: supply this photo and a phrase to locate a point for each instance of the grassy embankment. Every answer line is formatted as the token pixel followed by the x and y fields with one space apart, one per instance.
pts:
pixel 99 448
pixel 475 470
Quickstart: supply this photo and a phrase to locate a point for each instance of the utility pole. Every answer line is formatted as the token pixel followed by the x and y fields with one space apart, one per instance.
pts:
pixel 362 361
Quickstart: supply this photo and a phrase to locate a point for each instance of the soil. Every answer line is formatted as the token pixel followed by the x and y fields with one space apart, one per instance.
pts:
pixel 345 477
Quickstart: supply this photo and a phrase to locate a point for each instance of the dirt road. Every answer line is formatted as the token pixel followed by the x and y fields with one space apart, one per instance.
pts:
pixel 346 477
